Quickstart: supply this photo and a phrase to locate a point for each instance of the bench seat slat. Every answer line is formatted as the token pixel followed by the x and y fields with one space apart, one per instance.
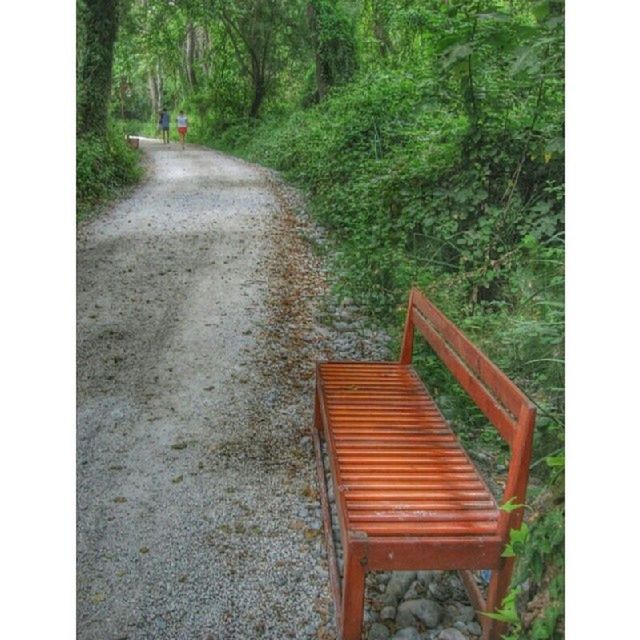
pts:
pixel 416 515
pixel 426 528
pixel 419 504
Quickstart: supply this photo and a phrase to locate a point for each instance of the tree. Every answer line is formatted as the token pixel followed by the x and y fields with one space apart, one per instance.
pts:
pixel 258 31
pixel 98 27
pixel 333 43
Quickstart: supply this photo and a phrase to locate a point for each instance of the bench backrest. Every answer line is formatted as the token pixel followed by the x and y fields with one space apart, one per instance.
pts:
pixel 508 409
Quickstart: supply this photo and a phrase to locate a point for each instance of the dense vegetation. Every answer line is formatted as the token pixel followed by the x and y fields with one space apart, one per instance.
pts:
pixel 429 137
pixel 104 163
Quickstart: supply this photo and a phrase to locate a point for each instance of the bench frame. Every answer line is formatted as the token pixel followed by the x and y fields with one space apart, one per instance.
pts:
pixel 513 415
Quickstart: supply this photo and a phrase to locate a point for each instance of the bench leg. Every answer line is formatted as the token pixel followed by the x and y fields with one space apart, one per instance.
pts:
pixel 498 587
pixel 352 597
pixel 317 415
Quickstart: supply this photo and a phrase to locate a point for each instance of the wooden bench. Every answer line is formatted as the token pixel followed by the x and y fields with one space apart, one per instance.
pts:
pixel 407 495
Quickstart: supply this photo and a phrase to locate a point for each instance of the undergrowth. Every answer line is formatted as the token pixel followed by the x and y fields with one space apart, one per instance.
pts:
pixel 103 168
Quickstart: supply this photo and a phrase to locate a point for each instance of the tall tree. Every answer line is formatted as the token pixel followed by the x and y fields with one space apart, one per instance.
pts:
pixel 333 42
pixel 261 32
pixel 99 27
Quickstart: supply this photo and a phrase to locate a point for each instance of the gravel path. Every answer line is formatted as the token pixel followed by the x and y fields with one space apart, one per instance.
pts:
pixel 197 511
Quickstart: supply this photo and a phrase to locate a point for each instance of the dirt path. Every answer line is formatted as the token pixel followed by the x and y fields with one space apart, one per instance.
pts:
pixel 197 517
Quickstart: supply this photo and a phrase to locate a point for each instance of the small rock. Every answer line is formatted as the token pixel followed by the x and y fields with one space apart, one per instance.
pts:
pixel 474 628
pixel 426 577
pixel 378 631
pixel 409 633
pixel 144 549
pixel 388 613
pixel 451 634
pixel 397 587
pixel 370 616
pixel 305 441
pixel 119 499
pixel 442 588
pixel 466 613
pixel 413 592
pixel 179 445
pixel 426 611
pixel 177 479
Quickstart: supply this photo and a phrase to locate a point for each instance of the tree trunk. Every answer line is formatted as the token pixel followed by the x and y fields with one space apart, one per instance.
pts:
pixel 190 55
pixel 321 81
pixel 259 91
pixel 380 32
pixel 100 22
pixel 155 92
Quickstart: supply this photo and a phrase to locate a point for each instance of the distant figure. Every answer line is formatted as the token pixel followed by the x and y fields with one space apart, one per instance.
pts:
pixel 164 125
pixel 182 122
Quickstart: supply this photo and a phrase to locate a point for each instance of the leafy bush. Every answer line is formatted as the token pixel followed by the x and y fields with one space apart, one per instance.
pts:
pixel 103 167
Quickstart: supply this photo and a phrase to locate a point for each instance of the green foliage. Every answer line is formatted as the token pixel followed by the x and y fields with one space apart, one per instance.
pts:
pixel 517 539
pixel 511 505
pixel 103 167
pixel 507 612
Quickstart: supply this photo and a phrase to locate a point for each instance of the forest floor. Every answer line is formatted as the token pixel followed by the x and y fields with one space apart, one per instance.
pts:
pixel 202 305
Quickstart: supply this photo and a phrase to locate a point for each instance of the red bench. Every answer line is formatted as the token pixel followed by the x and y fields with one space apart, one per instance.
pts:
pixel 407 495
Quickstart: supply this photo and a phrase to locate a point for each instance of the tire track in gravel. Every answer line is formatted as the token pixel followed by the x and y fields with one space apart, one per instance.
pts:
pixel 197 516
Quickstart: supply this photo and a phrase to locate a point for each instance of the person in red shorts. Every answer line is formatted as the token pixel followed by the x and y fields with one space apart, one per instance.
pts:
pixel 182 123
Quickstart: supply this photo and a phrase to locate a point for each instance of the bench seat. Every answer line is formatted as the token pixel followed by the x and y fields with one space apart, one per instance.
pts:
pixel 399 469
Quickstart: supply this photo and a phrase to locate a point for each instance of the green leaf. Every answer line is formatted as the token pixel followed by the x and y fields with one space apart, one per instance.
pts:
pixel 510 505
pixel 555 461
pixel 456 53
pixel 517 538
pixel 499 17
pixel 540 10
pixel 527 60
pixel 508 613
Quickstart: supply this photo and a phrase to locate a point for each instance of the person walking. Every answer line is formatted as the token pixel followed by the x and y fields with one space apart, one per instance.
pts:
pixel 182 123
pixel 164 124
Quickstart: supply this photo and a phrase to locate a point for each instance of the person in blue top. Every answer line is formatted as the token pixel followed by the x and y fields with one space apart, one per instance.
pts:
pixel 164 125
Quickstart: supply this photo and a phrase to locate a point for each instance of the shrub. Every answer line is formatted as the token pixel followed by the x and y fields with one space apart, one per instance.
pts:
pixel 103 168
